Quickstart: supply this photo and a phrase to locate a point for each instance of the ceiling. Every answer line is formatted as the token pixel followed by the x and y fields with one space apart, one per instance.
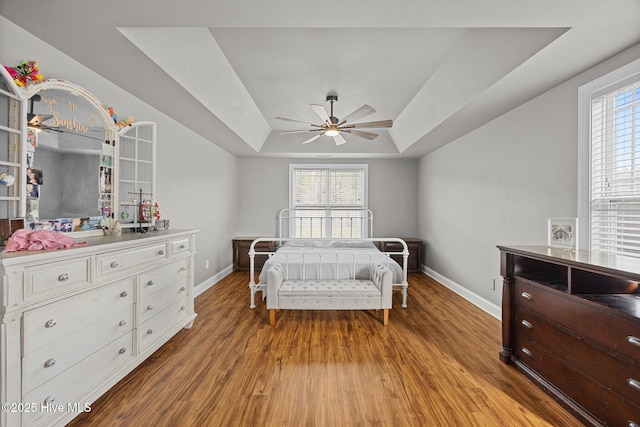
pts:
pixel 438 69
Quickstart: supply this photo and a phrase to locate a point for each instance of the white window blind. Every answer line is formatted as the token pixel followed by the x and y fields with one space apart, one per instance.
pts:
pixel 329 201
pixel 615 170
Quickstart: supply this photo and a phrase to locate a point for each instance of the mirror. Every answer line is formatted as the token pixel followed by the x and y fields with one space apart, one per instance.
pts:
pixel 69 161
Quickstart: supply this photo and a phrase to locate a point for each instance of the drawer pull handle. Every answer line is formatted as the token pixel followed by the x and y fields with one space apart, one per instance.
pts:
pixel 123 294
pixel 182 289
pixel 632 424
pixel 182 246
pixel 161 252
pixel 527 325
pixel 114 264
pixel 149 331
pixel 49 400
pixel 527 295
pixel 122 322
pixel 183 269
pixel 122 350
pixel 51 323
pixel 183 308
pixel 527 352
pixel 49 363
pixel 149 307
pixel 633 340
pixel 633 383
pixel 150 283
pixel 63 277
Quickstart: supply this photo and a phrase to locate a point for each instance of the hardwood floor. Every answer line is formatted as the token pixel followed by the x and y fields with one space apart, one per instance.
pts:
pixel 435 364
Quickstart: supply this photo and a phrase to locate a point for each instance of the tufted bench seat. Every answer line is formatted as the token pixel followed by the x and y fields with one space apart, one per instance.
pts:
pixel 330 294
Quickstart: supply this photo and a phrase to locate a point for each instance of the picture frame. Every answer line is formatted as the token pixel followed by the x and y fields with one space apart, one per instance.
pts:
pixel 562 232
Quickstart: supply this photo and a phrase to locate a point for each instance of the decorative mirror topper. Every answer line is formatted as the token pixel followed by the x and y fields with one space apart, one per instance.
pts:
pixel 119 122
pixel 73 123
pixel 24 72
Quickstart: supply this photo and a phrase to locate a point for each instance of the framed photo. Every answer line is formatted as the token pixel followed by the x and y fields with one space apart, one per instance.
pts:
pixel 562 232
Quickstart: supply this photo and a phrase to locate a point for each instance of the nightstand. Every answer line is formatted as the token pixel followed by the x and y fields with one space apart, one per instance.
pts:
pixel 241 247
pixel 415 252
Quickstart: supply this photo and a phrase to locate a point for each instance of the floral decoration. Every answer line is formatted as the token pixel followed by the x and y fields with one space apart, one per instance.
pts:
pixel 24 72
pixel 119 122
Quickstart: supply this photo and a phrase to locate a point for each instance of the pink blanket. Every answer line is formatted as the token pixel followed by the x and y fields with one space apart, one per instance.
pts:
pixel 39 240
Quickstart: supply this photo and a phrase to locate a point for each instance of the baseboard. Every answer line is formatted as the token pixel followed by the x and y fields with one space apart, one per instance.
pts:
pixel 465 293
pixel 200 288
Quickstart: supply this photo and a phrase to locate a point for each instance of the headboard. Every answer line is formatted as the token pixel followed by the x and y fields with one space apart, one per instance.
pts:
pixel 335 223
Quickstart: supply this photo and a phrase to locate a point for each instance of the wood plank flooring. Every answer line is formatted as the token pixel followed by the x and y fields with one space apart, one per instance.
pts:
pixel 435 364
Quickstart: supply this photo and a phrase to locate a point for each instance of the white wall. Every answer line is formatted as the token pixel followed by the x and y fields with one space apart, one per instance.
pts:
pixel 393 185
pixel 196 181
pixel 498 185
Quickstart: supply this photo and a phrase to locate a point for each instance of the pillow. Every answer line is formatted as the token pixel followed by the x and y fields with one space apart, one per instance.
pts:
pixel 352 244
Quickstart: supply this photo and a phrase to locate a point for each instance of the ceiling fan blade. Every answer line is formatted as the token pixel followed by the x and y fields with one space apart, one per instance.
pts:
pixel 298 121
pixel 361 112
pixel 299 131
pixel 313 138
pixel 378 124
pixel 362 134
pixel 339 139
pixel 321 112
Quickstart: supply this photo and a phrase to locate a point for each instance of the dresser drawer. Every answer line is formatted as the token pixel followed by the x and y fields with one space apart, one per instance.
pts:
pixel 161 277
pixel 618 374
pixel 180 246
pixel 119 262
pixel 70 384
pixel 46 279
pixel 158 301
pixel 48 361
pixel 156 327
pixel 52 322
pixel 598 324
pixel 603 403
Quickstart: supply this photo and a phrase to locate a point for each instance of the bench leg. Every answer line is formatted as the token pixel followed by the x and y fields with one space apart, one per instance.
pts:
pixel 385 322
pixel 272 317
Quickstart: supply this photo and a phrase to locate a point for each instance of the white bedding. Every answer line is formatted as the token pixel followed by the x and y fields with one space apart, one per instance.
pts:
pixel 302 259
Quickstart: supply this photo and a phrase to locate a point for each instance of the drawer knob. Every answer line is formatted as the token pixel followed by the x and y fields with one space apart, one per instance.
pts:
pixel 51 323
pixel 183 308
pixel 527 325
pixel 633 383
pixel 183 269
pixel 527 352
pixel 161 252
pixel 149 307
pixel 122 350
pixel 527 295
pixel 149 331
pixel 150 283
pixel 49 399
pixel 123 294
pixel 182 246
pixel 49 363
pixel 114 264
pixel 633 340
pixel 122 322
pixel 182 289
pixel 63 277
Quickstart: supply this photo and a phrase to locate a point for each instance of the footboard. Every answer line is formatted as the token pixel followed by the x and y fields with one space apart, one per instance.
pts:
pixel 310 265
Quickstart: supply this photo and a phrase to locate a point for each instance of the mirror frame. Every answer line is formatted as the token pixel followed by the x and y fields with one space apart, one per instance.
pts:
pixel 111 129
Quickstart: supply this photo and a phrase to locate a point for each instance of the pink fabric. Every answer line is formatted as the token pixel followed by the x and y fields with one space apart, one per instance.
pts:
pixel 40 240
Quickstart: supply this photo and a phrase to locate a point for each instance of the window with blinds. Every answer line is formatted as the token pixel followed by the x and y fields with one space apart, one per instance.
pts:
pixel 328 201
pixel 615 170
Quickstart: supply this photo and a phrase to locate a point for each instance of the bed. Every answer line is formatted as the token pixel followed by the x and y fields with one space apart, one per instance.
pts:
pixel 346 256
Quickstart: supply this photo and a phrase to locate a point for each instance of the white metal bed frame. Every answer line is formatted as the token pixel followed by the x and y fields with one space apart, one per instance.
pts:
pixel 362 222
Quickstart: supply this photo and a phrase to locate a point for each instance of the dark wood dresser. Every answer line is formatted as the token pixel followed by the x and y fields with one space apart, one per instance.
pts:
pixel 571 323
pixel 241 253
pixel 415 252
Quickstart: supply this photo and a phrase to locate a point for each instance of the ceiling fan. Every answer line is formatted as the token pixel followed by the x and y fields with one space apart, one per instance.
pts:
pixel 37 121
pixel 333 127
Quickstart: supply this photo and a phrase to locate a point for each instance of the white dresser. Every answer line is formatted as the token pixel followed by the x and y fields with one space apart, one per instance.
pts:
pixel 76 321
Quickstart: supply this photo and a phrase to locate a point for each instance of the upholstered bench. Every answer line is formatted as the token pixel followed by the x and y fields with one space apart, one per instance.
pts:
pixel 329 294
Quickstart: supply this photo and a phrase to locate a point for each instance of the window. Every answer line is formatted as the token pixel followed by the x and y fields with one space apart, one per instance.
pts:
pixel 610 162
pixel 328 201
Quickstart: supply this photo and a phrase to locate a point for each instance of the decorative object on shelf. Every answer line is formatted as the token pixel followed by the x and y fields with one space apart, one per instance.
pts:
pixel 121 123
pixel 24 72
pixel 7 179
pixel 562 232
pixel 110 226
pixel 40 240
pixel 155 211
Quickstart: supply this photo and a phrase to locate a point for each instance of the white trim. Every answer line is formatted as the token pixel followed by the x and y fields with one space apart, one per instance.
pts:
pixel 475 299
pixel 208 283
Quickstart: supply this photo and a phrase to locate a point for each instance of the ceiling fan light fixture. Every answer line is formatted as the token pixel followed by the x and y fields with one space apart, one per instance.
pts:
pixel 331 132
